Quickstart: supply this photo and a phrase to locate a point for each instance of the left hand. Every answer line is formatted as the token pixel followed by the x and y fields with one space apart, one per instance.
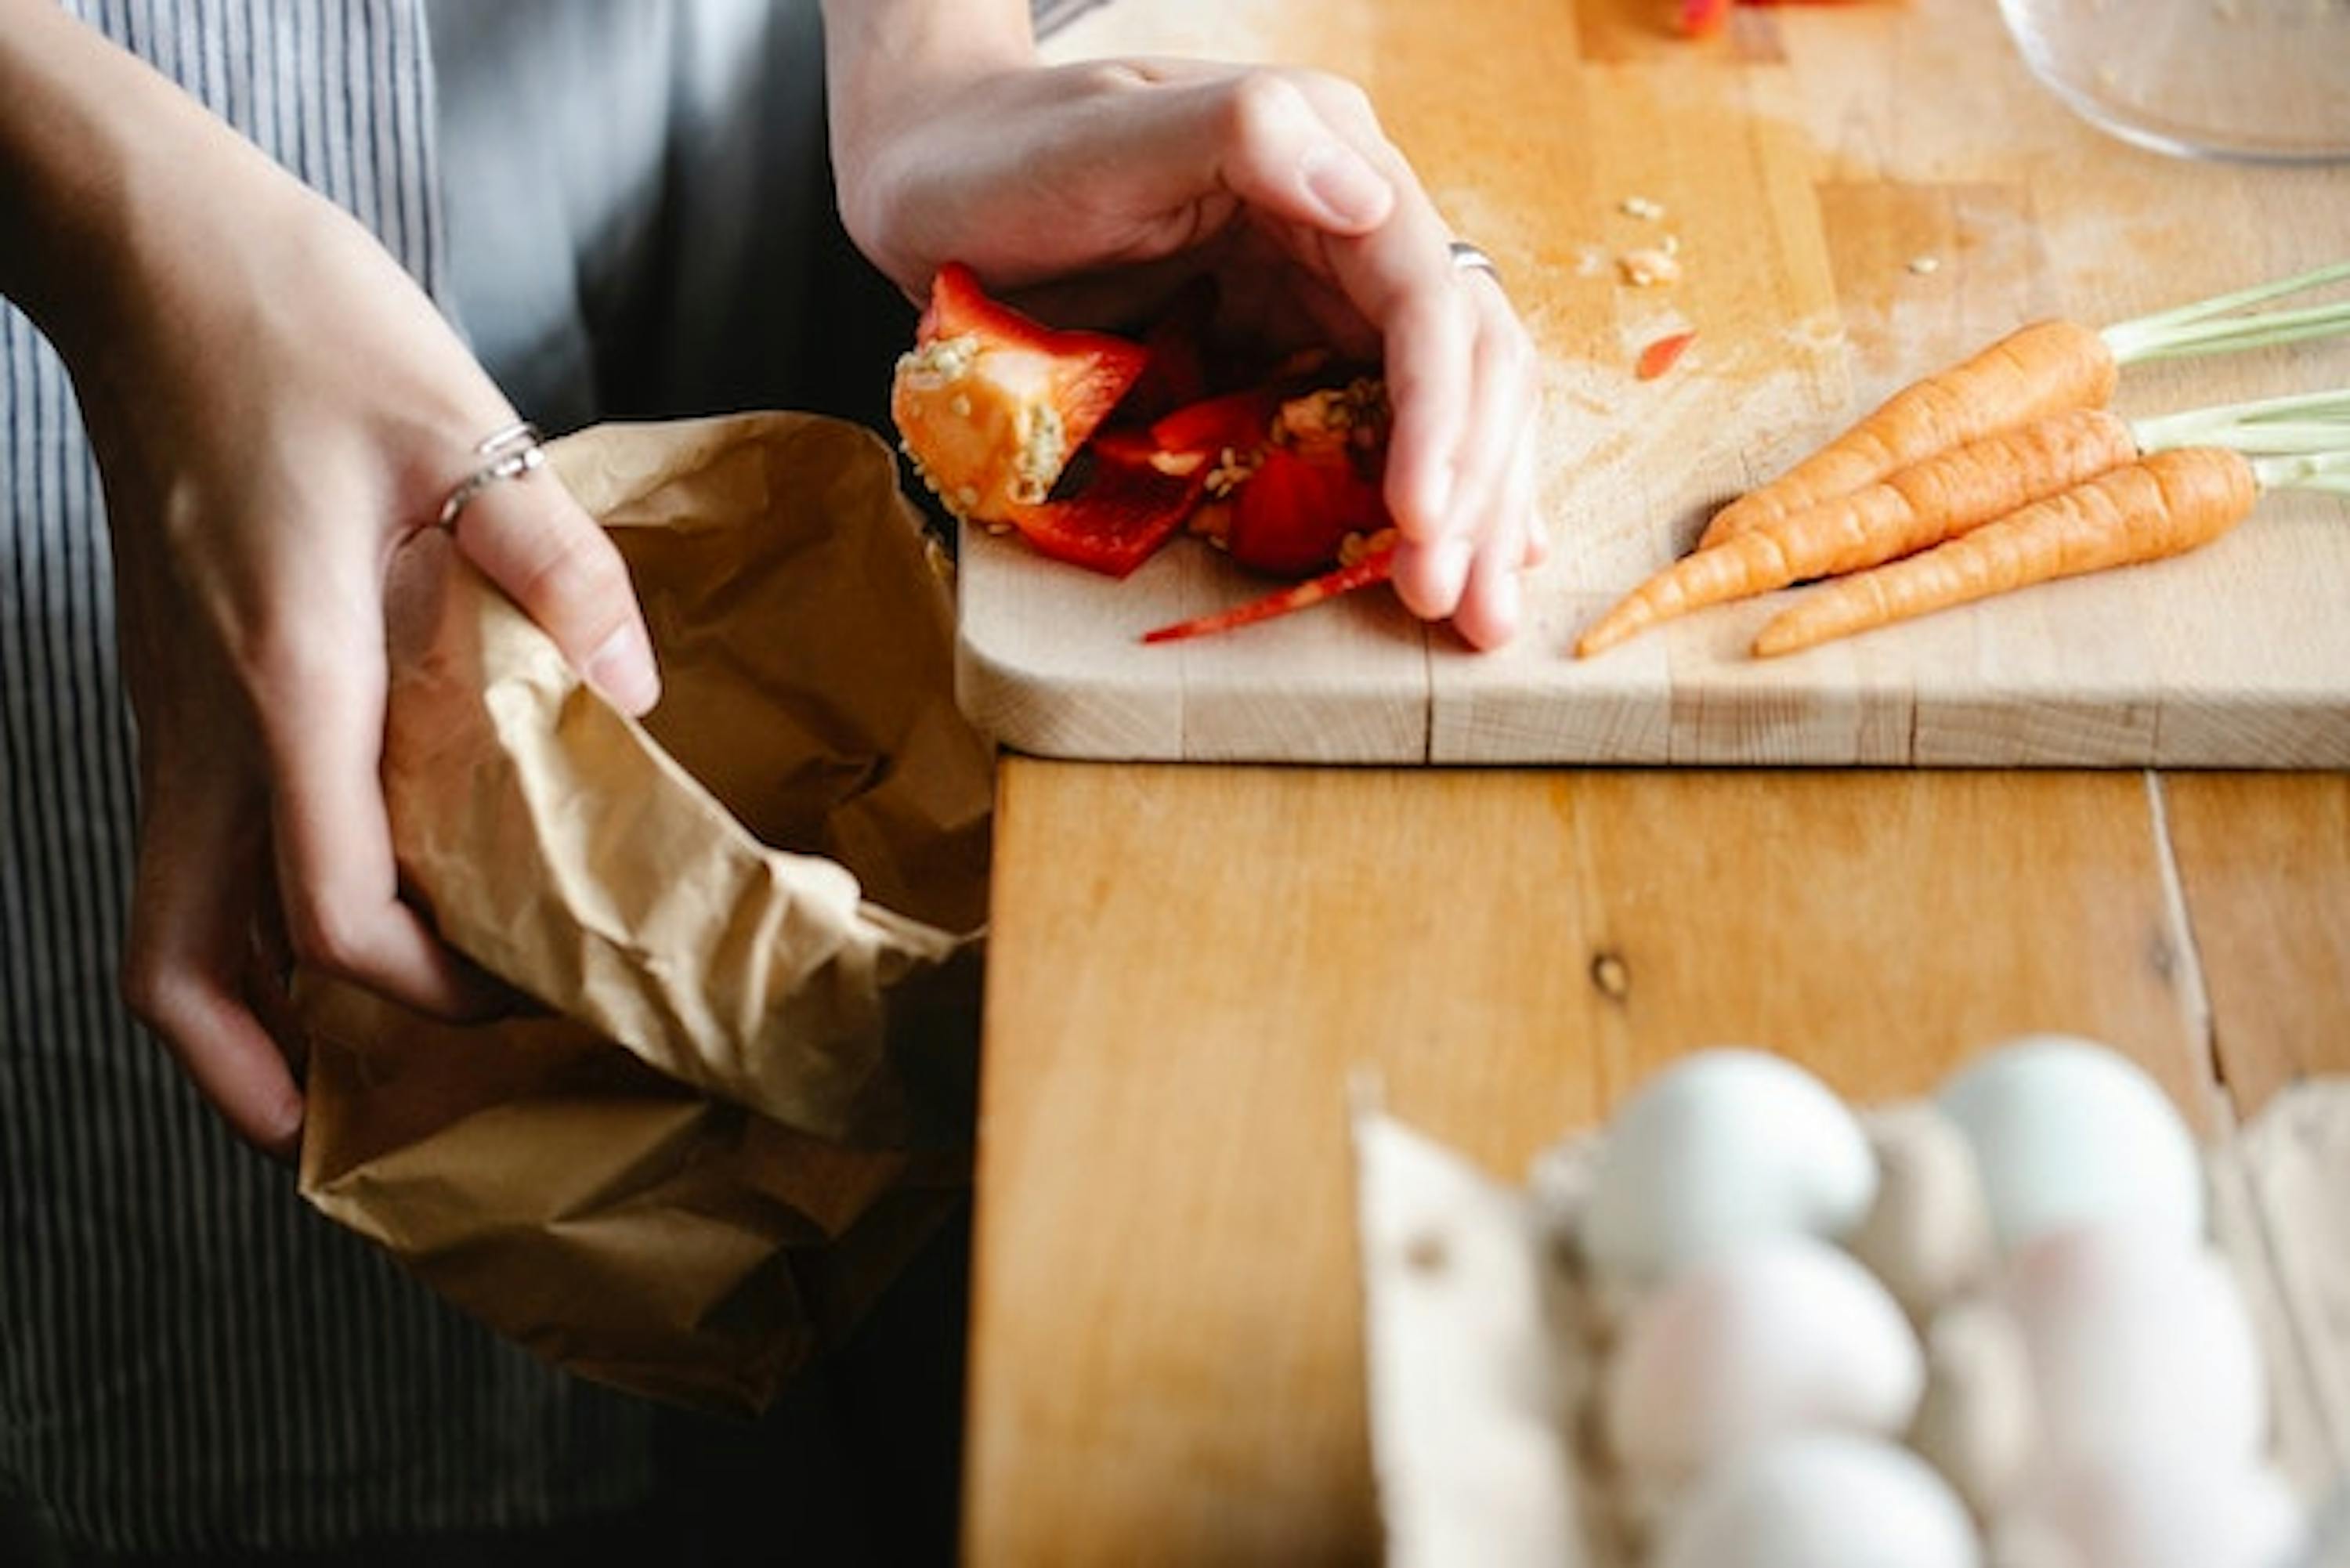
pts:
pixel 1090 192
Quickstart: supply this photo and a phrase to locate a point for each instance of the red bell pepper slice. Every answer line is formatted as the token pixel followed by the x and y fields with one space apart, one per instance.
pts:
pixel 1700 18
pixel 1662 355
pixel 1290 516
pixel 991 405
pixel 1375 568
pixel 1114 521
pixel 1091 371
pixel 1237 421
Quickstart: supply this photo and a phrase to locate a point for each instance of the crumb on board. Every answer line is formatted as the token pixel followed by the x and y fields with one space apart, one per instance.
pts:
pixel 1642 208
pixel 1650 266
pixel 1924 266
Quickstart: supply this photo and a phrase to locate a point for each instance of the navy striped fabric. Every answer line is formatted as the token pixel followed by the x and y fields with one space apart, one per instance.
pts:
pixel 189 1357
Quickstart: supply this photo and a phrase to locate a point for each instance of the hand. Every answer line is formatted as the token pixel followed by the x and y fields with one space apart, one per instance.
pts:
pixel 1109 182
pixel 276 407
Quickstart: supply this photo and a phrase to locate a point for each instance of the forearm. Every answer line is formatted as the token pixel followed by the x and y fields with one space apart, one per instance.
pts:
pixel 107 170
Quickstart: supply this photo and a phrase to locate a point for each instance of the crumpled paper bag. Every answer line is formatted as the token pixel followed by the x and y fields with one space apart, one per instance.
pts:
pixel 751 919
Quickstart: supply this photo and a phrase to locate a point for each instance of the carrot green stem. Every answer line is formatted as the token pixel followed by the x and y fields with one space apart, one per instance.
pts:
pixel 2220 304
pixel 2308 422
pixel 2308 471
pixel 2134 344
pixel 2275 438
pixel 2299 405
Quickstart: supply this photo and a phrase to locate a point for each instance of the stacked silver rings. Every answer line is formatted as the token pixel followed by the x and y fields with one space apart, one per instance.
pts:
pixel 507 453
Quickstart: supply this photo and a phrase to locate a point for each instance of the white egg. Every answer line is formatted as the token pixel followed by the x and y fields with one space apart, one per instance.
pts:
pixel 2137 1339
pixel 1777 1337
pixel 1978 1423
pixel 2157 1510
pixel 1821 1499
pixel 2066 1132
pixel 1928 1236
pixel 1725 1147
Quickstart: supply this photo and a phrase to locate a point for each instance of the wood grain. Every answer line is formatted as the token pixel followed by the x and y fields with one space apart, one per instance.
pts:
pixel 1803 159
pixel 1191 966
pixel 2264 867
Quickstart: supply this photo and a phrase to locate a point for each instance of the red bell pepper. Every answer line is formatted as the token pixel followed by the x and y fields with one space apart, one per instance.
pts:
pixel 1241 422
pixel 991 405
pixel 1115 520
pixel 1662 355
pixel 1290 516
pixel 1375 568
pixel 1700 18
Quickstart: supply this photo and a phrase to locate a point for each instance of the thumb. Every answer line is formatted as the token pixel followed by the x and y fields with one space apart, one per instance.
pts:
pixel 531 538
pixel 1259 135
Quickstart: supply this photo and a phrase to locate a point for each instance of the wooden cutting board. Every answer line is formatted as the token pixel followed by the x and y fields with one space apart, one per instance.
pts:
pixel 1860 194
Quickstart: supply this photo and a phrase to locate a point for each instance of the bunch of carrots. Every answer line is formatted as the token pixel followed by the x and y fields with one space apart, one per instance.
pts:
pixel 2007 470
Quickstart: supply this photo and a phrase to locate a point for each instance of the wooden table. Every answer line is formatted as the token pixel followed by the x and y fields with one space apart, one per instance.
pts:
pixel 1189 964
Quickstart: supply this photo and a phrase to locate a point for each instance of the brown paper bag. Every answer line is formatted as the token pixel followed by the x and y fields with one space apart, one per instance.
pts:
pixel 749 919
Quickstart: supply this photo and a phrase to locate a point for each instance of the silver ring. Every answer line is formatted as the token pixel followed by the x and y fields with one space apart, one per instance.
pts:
pixel 1467 258
pixel 512 453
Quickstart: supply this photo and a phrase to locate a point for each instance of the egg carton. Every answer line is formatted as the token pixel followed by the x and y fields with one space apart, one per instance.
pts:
pixel 1484 1336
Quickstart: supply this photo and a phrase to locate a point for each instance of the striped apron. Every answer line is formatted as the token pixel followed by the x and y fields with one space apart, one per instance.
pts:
pixel 190 1359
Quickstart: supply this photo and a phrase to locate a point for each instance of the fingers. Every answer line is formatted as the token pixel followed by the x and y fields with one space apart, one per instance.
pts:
pixel 338 881
pixel 1427 334
pixel 1490 610
pixel 1459 370
pixel 1467 568
pixel 531 539
pixel 184 965
pixel 1493 493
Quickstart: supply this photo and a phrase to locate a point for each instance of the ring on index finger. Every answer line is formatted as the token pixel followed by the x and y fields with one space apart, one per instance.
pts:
pixel 1467 258
pixel 507 453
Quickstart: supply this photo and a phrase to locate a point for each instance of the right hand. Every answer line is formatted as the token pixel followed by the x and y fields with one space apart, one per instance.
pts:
pixel 1121 174
pixel 276 407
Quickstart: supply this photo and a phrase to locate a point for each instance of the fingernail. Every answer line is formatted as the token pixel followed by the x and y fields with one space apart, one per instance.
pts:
pixel 1349 190
pixel 622 670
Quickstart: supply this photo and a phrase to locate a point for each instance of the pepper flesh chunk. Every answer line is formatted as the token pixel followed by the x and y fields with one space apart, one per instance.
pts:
pixel 1114 521
pixel 991 405
pixel 1294 511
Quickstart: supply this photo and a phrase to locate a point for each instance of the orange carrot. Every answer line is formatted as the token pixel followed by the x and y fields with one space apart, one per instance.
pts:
pixel 2041 370
pixel 2160 505
pixel 2037 370
pixel 1375 568
pixel 1910 509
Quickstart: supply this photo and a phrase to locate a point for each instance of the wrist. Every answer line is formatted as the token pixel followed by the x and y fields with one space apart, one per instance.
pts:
pixel 889 65
pixel 107 172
